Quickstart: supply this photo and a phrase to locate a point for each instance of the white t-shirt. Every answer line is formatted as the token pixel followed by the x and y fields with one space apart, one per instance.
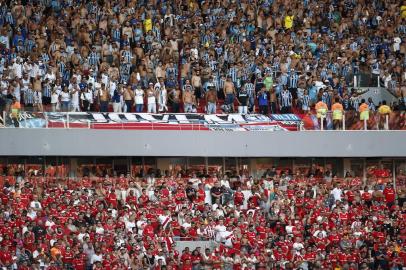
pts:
pixel 140 226
pixel 82 235
pixel 96 258
pixel 396 44
pixel 50 76
pixel 151 100
pixel 54 98
pixel 75 98
pixel 65 96
pixel 49 223
pixel 35 204
pixel 99 230
pixel 336 192
pixel 18 70
pixel 37 97
pixel 129 225
pixel 139 96
pixel 186 225
pixel 220 229
pixel 157 257
pixel 298 246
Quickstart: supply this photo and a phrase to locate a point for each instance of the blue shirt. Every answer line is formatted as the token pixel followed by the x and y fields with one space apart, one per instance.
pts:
pixel 116 97
pixel 263 99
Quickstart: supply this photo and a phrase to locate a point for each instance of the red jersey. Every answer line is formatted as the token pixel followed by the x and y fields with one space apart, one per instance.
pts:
pixel 185 256
pixel 238 198
pixel 389 194
pixel 366 196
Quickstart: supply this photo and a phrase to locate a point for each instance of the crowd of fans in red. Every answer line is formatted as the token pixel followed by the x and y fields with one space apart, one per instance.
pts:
pixel 287 221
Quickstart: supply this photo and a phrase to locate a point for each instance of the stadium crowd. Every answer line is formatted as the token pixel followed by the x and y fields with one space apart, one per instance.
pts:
pixel 287 220
pixel 157 56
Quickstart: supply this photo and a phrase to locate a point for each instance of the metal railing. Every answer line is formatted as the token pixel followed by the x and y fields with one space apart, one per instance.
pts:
pixel 352 120
pixel 79 120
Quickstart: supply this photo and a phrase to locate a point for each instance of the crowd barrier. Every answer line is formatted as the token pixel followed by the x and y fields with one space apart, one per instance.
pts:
pixel 351 120
pixel 192 245
pixel 203 122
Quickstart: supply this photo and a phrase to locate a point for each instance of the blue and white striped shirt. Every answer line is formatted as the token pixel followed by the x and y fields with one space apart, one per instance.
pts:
pixel 171 71
pixel 323 74
pixel 306 101
pixel 213 65
pixel 46 90
pixel 233 73
pixel 62 68
pixel 116 34
pixel 293 80
pixel 283 79
pixel 286 99
pixel 28 96
pixel 345 70
pixel 126 55
pixel 45 57
pixel 250 89
pixel 94 58
pixel 29 45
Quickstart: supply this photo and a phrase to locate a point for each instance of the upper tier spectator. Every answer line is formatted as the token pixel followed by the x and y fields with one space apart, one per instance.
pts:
pixel 125 45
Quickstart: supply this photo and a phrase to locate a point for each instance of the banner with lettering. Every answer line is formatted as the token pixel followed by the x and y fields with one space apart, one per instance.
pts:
pixel 145 121
pixel 191 121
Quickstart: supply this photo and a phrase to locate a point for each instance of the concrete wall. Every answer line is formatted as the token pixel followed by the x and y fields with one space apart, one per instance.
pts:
pixel 84 142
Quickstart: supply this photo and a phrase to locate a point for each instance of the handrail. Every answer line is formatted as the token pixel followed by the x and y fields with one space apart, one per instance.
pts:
pixel 74 120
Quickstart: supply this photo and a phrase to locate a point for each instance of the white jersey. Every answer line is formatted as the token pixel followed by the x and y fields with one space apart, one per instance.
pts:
pixel 75 98
pixel 37 97
pixel 139 96
pixel 25 83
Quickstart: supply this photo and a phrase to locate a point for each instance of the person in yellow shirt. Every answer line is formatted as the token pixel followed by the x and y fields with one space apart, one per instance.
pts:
pixel 363 112
pixel 403 10
pixel 383 111
pixel 338 112
pixel 15 109
pixel 288 21
pixel 148 24
pixel 321 110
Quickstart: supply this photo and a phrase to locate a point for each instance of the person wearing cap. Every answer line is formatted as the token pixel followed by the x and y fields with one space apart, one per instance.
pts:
pixel 151 98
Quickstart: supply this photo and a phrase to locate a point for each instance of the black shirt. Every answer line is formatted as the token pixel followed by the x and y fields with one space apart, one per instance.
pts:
pixel 243 98
pixel 191 192
pixel 216 190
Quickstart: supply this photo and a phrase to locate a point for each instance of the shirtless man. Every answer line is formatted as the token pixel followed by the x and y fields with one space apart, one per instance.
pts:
pixel 188 101
pixel 128 95
pixel 104 97
pixel 229 93
pixel 211 100
pixel 197 85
